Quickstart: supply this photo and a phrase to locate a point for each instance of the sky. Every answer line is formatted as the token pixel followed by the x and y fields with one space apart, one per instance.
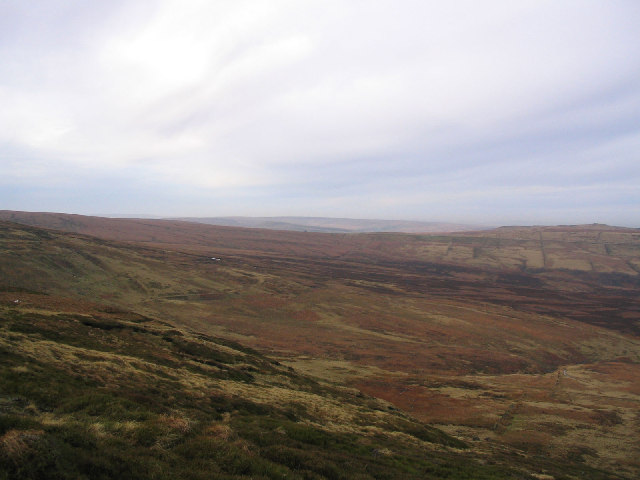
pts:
pixel 494 112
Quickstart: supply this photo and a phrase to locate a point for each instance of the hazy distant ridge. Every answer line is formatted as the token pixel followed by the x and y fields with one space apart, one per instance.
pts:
pixel 333 225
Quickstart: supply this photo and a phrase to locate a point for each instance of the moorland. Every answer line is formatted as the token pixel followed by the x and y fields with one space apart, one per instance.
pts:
pixel 507 353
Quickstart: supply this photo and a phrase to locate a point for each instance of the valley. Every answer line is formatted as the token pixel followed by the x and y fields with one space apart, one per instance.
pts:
pixel 521 342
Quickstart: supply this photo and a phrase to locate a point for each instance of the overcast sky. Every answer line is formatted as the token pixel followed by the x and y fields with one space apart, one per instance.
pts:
pixel 492 112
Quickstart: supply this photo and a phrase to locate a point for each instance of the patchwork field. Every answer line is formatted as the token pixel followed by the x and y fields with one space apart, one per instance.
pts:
pixel 524 343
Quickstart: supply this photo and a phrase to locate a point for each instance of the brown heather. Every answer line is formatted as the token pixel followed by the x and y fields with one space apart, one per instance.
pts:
pixel 323 355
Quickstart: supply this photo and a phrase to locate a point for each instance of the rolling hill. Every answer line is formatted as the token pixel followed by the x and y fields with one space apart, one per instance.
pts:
pixel 520 342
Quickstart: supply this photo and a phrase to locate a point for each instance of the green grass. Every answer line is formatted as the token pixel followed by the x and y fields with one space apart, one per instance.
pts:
pixel 61 419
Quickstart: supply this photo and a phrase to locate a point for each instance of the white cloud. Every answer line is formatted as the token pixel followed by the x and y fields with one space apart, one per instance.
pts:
pixel 375 94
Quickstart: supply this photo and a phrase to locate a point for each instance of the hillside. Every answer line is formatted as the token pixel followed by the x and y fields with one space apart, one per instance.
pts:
pixel 88 391
pixel 538 364
pixel 593 249
pixel 589 273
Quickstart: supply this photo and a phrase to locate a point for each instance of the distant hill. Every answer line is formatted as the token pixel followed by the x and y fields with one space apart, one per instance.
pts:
pixel 595 248
pixel 333 225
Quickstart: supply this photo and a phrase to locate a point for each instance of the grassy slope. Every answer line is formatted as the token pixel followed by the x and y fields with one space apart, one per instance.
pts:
pixel 462 347
pixel 94 392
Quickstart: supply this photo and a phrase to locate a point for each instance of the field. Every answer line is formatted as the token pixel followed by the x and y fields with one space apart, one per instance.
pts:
pixel 523 343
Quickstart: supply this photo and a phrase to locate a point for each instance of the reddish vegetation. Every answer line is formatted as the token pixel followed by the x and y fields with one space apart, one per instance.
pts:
pixel 55 303
pixel 522 335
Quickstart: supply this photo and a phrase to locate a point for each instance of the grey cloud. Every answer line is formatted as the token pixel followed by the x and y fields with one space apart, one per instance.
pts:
pixel 412 110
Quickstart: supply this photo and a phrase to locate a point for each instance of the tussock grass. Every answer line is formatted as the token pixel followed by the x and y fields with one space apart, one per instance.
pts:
pixel 80 407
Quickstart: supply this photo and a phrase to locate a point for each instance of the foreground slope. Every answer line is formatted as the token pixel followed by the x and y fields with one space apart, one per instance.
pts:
pixel 95 392
pixel 541 361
